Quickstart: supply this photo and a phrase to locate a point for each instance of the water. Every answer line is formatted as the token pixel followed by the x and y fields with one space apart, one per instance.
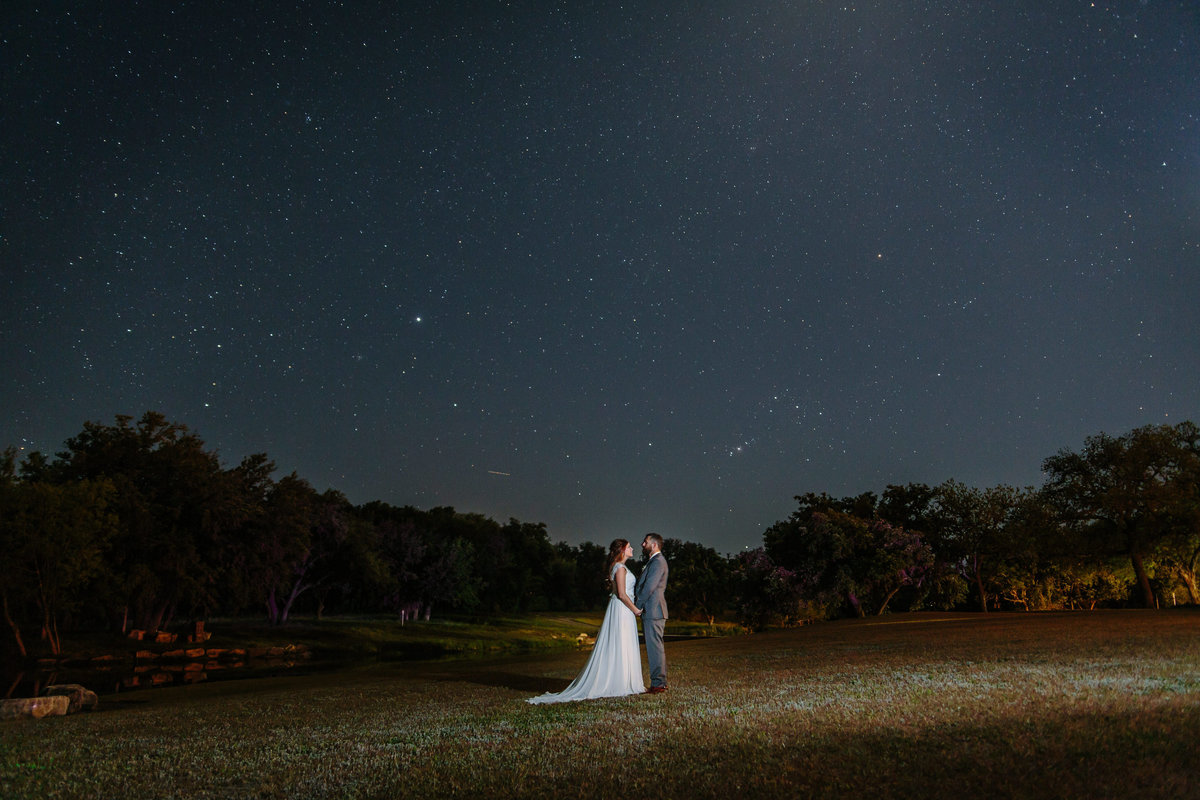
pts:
pixel 117 676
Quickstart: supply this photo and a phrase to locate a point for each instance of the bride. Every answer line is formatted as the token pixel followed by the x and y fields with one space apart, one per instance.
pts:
pixel 615 665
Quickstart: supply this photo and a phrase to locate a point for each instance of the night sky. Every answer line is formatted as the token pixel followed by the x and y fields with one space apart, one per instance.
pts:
pixel 602 265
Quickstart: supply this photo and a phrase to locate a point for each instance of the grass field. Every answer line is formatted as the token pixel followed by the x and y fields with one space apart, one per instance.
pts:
pixel 1096 705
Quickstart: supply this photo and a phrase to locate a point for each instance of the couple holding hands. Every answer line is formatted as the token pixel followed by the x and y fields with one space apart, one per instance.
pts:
pixel 615 665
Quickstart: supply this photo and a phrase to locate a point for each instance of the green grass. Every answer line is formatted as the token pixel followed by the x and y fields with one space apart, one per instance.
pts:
pixel 1098 705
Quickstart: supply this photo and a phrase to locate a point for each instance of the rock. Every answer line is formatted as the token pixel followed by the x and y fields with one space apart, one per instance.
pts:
pixel 146 655
pixel 137 635
pixel 162 637
pixel 199 635
pixel 35 707
pixel 79 697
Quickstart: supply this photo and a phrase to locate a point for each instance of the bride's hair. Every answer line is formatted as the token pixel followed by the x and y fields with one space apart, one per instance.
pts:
pixel 614 555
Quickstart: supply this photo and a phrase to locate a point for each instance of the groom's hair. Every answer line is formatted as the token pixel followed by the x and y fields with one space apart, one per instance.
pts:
pixel 654 537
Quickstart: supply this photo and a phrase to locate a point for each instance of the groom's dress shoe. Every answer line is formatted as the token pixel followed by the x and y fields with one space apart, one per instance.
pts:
pixel 656 690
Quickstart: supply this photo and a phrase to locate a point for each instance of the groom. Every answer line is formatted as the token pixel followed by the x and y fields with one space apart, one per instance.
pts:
pixel 650 599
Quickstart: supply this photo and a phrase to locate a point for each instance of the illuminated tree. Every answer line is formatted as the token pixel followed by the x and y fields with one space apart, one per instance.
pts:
pixel 1130 493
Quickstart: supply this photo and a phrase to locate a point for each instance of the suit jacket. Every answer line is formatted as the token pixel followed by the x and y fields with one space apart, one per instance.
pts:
pixel 650 590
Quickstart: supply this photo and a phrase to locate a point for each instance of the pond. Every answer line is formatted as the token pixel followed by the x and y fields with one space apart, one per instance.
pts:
pixel 108 675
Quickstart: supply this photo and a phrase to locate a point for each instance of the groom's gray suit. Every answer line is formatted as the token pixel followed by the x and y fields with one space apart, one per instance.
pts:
pixel 649 595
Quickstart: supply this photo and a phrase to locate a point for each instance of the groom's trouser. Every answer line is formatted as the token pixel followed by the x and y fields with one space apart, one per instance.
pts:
pixel 653 629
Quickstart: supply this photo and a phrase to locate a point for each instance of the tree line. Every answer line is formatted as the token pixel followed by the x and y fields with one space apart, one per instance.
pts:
pixel 138 525
pixel 1115 523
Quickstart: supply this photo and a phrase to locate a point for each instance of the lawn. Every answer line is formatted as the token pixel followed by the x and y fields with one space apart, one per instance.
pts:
pixel 1098 705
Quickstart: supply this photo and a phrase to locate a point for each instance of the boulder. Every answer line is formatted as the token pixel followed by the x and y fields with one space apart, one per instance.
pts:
pixel 79 698
pixel 35 707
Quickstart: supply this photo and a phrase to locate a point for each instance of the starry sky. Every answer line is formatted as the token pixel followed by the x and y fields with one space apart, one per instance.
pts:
pixel 614 267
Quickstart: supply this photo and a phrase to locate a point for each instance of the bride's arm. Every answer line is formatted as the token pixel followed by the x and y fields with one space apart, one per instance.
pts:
pixel 619 580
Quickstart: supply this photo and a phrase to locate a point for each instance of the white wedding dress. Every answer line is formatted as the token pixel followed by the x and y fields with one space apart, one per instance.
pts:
pixel 614 668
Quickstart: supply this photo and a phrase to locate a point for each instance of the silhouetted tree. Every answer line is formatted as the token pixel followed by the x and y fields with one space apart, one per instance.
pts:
pixel 170 498
pixel 590 559
pixel 701 580
pixel 53 539
pixel 977 528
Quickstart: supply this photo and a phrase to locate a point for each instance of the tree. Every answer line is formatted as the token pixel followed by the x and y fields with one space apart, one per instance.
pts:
pixel 766 593
pixel 839 556
pixel 566 585
pixel 401 547
pixel 53 539
pixel 1127 493
pixel 1080 582
pixel 286 555
pixel 1179 553
pixel 445 576
pixel 502 568
pixel 914 507
pixel 700 580
pixel 590 559
pixel 174 504
pixel 872 560
pixel 1179 549
pixel 976 525
pixel 320 562
pixel 429 558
